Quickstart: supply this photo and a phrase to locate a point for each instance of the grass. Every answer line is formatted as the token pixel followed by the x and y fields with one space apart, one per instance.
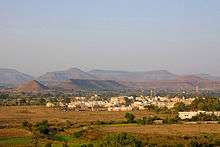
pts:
pixel 11 116
pixel 121 125
pixel 12 134
pixel 63 138
pixel 174 129
pixel 15 141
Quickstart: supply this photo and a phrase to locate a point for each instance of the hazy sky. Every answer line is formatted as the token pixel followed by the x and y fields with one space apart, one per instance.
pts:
pixel 182 36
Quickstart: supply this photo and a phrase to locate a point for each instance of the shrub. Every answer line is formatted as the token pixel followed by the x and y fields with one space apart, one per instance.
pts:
pixel 67 124
pixel 180 107
pixel 140 121
pixel 180 145
pixel 205 117
pixel 78 134
pixel 120 140
pixel 49 144
pixel 98 122
pixel 130 117
pixel 147 120
pixel 169 120
pixel 27 125
pixel 42 127
pixel 89 145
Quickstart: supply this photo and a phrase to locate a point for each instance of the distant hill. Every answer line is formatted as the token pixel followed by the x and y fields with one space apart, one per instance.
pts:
pixel 75 78
pixel 133 76
pixel 32 86
pixel 189 82
pixel 83 84
pixel 208 77
pixel 58 76
pixel 12 77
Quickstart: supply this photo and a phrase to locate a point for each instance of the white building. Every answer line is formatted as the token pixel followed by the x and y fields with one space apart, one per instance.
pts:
pixel 189 115
pixel 50 105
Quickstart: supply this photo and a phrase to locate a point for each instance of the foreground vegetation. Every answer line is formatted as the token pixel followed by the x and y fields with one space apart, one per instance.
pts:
pixel 40 126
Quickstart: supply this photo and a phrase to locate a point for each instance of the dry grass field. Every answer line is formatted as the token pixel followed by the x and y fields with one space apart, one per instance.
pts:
pixel 174 129
pixel 12 117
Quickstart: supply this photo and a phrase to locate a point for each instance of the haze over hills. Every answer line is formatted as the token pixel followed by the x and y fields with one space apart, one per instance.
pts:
pixel 13 77
pixel 75 78
pixel 189 82
pixel 72 73
pixel 208 77
pixel 52 78
pixel 85 84
pixel 133 76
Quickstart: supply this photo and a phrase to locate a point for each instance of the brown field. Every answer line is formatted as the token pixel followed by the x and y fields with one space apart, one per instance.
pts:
pixel 14 132
pixel 175 129
pixel 12 117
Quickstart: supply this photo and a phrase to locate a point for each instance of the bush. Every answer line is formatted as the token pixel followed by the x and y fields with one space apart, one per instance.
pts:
pixel 147 120
pixel 67 124
pixel 130 117
pixel 78 134
pixel 163 110
pixel 121 140
pixel 179 107
pixel 98 122
pixel 89 145
pixel 169 120
pixel 42 127
pixel 197 144
pixel 49 144
pixel 205 117
pixel 180 145
pixel 27 125
pixel 208 104
pixel 140 122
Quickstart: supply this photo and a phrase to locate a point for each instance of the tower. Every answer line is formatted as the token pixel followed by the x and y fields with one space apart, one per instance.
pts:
pixel 197 89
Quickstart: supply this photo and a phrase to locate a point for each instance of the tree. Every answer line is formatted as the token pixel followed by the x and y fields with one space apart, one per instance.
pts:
pixel 39 130
pixel 130 117
pixel 180 107
pixel 121 140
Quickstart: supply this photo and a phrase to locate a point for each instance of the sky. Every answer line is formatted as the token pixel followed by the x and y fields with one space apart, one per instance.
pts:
pixel 182 36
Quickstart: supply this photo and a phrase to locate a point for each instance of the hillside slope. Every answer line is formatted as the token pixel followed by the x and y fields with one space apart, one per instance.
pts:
pixel 32 86
pixel 133 76
pixel 73 73
pixel 83 84
pixel 13 77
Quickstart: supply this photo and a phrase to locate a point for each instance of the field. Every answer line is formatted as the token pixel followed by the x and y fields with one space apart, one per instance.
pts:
pixel 13 116
pixel 12 133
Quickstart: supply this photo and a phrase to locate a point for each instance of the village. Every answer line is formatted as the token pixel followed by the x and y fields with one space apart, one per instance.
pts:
pixel 129 103
pixel 120 103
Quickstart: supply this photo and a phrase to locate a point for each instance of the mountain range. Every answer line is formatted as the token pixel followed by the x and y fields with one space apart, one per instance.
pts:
pixel 12 77
pixel 72 73
pixel 75 78
pixel 133 76
pixel 85 84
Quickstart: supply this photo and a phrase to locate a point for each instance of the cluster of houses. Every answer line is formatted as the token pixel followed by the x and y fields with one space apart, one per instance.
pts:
pixel 120 103
pixel 189 115
pixel 128 103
